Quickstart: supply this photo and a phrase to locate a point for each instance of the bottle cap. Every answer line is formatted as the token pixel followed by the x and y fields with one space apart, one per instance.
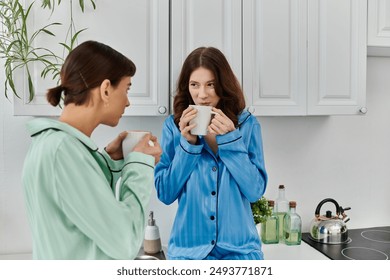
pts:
pixel 293 204
pixel 281 186
pixel 271 203
pixel 151 221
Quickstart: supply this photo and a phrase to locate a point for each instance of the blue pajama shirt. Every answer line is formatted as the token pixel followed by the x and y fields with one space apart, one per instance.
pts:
pixel 213 191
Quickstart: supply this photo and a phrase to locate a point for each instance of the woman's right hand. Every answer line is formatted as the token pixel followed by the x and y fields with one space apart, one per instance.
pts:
pixel 149 145
pixel 185 126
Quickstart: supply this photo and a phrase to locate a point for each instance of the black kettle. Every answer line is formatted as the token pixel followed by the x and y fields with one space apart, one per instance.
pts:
pixel 330 229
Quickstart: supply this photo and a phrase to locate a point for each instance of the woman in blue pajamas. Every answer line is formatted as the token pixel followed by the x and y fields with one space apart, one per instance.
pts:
pixel 215 177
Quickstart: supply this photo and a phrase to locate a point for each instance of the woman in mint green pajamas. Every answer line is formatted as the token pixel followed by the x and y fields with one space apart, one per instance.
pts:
pixel 69 185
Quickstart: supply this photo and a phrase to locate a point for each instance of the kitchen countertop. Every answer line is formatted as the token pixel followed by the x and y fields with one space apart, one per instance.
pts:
pixel 362 244
pixel 271 252
pixel 297 252
pixel 280 252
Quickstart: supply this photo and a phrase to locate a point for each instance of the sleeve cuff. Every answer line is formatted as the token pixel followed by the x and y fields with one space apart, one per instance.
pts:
pixel 139 157
pixel 228 138
pixel 113 164
pixel 189 148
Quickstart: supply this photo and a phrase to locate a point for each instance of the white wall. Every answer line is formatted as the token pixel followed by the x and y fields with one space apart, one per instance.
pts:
pixel 343 157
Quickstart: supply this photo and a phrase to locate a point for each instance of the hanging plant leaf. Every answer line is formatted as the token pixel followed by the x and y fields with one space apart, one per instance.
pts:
pixel 19 50
pixel 31 89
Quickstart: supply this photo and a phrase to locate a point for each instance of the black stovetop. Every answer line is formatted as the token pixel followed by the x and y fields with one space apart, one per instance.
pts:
pixel 363 244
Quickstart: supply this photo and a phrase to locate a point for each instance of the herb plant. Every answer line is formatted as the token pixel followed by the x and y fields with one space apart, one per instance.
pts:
pixel 261 210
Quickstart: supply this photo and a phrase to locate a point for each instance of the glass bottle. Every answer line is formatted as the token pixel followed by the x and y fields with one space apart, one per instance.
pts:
pixel 292 226
pixel 281 208
pixel 269 228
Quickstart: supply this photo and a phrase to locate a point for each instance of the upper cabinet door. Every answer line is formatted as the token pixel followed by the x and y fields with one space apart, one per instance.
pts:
pixel 304 57
pixel 274 56
pixel 378 32
pixel 337 56
pixel 197 23
pixel 139 29
pixel 379 23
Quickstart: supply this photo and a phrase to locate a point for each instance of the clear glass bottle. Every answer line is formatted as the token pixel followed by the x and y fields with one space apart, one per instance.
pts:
pixel 292 231
pixel 270 228
pixel 281 208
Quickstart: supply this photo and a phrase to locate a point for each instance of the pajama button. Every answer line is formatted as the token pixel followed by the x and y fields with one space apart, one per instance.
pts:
pixel 214 168
pixel 213 193
pixel 212 242
pixel 212 218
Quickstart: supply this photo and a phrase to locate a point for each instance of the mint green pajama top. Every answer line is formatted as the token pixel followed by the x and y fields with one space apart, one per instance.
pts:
pixel 69 189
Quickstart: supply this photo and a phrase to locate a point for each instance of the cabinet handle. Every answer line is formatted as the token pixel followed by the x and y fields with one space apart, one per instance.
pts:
pixel 162 110
pixel 363 110
pixel 251 109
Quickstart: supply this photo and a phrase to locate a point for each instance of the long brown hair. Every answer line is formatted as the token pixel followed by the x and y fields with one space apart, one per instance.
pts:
pixel 85 68
pixel 227 86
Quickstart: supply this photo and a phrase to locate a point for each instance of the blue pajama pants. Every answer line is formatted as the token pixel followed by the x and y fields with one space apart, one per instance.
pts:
pixel 222 254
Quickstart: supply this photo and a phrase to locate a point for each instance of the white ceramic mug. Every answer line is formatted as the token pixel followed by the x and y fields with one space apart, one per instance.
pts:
pixel 132 139
pixel 202 119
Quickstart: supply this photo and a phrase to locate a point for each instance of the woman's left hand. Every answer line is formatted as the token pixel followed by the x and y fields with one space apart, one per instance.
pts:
pixel 220 124
pixel 114 148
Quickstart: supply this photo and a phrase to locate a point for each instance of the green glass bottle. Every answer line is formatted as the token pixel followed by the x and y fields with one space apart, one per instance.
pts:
pixel 281 208
pixel 270 228
pixel 292 229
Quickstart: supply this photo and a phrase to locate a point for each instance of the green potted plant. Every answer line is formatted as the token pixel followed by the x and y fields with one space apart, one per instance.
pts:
pixel 260 210
pixel 18 50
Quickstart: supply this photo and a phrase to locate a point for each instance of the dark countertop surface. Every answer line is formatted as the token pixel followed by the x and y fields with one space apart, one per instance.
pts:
pixel 364 244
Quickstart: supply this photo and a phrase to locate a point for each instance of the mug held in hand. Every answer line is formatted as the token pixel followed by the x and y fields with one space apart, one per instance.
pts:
pixel 132 139
pixel 202 119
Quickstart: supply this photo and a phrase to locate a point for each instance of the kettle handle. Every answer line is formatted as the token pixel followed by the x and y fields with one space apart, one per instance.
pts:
pixel 317 213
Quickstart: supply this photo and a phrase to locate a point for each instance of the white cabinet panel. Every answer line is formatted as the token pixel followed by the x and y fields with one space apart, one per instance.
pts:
pixel 336 56
pixel 378 33
pixel 274 56
pixel 137 28
pixel 379 23
pixel 196 23
pixel 304 57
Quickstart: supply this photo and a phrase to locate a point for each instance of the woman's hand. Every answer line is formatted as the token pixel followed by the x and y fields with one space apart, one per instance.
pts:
pixel 184 126
pixel 147 145
pixel 220 124
pixel 150 146
pixel 114 148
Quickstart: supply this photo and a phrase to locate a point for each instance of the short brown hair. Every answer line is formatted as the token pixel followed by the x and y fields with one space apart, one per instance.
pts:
pixel 227 86
pixel 85 68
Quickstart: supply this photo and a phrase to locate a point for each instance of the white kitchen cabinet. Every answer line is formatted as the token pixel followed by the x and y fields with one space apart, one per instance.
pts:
pixel 196 23
pixel 378 32
pixel 274 56
pixel 304 57
pixel 297 57
pixel 137 28
pixel 337 55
